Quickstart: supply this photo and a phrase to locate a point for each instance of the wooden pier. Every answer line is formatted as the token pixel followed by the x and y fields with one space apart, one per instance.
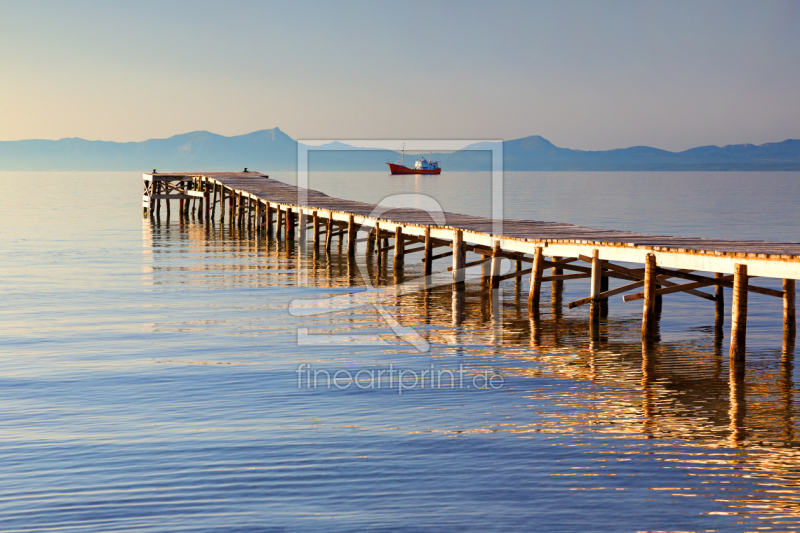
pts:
pixel 253 200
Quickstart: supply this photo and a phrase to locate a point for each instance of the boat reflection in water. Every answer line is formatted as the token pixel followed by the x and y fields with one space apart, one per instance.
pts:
pixel 731 430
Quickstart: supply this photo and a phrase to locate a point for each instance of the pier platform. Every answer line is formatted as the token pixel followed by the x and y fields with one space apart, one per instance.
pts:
pixel 255 200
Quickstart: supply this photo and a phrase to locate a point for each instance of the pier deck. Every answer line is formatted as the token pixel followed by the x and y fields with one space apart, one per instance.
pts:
pixel 253 199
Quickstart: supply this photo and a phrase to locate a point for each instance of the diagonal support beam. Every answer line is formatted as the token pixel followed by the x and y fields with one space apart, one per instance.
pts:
pixel 588 270
pixel 660 280
pixel 719 281
pixel 685 287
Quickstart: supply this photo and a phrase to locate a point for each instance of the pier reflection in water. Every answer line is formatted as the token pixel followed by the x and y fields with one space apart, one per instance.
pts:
pixel 730 430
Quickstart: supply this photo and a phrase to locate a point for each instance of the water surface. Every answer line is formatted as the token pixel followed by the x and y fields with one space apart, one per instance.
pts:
pixel 150 382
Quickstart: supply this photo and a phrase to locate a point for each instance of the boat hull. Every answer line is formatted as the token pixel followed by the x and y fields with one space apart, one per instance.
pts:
pixel 400 169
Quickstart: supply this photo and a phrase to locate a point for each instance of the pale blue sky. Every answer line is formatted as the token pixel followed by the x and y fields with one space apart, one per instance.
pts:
pixel 589 75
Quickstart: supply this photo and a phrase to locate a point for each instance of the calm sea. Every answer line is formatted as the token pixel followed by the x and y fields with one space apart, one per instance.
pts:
pixel 151 373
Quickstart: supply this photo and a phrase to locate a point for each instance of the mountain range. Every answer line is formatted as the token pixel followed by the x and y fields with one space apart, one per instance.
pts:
pixel 273 150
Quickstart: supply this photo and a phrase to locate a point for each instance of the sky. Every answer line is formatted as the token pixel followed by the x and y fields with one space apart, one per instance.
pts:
pixel 585 75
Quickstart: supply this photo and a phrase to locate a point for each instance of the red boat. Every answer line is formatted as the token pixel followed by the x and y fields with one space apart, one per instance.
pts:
pixel 421 166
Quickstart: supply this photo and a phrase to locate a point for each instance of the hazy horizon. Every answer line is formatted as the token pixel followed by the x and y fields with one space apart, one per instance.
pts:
pixel 378 144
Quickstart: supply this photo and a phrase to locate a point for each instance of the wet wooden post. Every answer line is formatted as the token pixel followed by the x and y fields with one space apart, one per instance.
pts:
pixel 166 204
pixel 537 271
pixel 557 286
pixel 719 304
pixel 496 262
pixel 289 224
pixel 268 214
pixel 187 205
pixel 789 321
pixel 206 200
pixel 145 193
pixel 214 189
pixel 371 241
pixel 315 223
pixel 739 313
pixel 649 314
pixel 302 226
pixel 235 208
pixel 379 248
pixel 221 203
pixel 459 255
pixel 486 272
pixel 180 202
pixel 157 190
pixel 328 232
pixel 428 252
pixel 603 288
pixel 399 248
pixel 596 284
pixel 279 220
pixel 352 233
pixel 248 211
pixel 207 191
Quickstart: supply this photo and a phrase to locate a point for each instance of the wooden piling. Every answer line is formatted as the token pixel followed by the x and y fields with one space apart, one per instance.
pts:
pixel 719 304
pixel 378 241
pixel 789 321
pixel 214 191
pixel 289 224
pixel 248 212
pixel 207 192
pixel 399 248
pixel 648 314
pixel 537 271
pixel 352 233
pixel 371 241
pixel 739 313
pixel 315 223
pixel 279 220
pixel 157 190
pixel 486 273
pixel 459 256
pixel 557 285
pixel 328 232
pixel 302 226
pixel 268 214
pixel 596 284
pixel 603 288
pixel 496 262
pixel 428 252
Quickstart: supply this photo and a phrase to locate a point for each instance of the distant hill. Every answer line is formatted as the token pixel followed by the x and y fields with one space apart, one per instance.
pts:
pixel 272 150
pixel 537 153
pixel 198 150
